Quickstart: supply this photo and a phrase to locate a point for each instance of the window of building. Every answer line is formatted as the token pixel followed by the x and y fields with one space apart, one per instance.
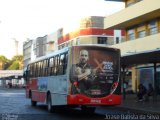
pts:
pixel 117 40
pixel 138 0
pixel 102 40
pixel 141 34
pixel 153 29
pixel 131 34
pixel 141 30
pixel 130 3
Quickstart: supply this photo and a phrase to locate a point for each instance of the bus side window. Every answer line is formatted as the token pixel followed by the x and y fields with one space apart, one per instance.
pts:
pixel 65 62
pixel 51 65
pixel 38 69
pixel 56 65
pixel 61 65
pixel 26 73
pixel 31 70
pixel 41 68
pixel 46 68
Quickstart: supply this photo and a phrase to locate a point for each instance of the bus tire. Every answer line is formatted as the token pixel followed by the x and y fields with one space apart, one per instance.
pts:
pixel 88 110
pixel 33 103
pixel 49 103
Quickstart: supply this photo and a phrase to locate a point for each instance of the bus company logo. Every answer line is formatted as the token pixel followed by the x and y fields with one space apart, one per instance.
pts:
pixel 107 66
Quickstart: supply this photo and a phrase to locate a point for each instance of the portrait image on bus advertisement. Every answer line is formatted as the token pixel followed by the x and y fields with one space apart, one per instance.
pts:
pixel 94 71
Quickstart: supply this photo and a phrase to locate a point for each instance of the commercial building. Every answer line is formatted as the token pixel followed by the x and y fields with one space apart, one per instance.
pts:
pixel 12 77
pixel 141 21
pixel 27 47
pixel 91 31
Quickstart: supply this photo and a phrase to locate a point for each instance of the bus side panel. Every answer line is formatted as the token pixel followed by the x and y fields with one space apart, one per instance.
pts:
pixel 31 85
pixel 57 86
pixel 38 96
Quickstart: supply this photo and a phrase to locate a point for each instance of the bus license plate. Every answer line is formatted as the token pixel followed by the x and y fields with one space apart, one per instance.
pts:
pixel 95 101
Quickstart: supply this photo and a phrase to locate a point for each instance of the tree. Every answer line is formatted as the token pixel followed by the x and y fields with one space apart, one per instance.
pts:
pixel 3 62
pixel 18 58
pixel 17 63
pixel 14 66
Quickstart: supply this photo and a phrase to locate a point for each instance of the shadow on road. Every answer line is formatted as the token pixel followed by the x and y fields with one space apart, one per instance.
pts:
pixel 65 113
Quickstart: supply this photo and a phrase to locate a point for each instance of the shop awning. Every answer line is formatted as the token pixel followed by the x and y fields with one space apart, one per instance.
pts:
pixel 152 56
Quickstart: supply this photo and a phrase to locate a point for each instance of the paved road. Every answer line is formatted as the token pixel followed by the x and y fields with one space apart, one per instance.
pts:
pixel 14 106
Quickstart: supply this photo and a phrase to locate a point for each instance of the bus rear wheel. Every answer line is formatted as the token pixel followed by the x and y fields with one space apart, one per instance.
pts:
pixel 49 103
pixel 33 103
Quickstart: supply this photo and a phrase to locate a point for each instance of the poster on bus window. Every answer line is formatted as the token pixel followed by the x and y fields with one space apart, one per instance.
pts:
pixel 93 70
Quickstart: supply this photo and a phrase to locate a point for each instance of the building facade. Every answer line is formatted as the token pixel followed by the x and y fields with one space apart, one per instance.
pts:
pixel 141 21
pixel 52 44
pixel 40 47
pixel 91 31
pixel 27 48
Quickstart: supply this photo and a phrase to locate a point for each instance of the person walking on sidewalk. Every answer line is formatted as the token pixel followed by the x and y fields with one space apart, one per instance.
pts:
pixel 150 92
pixel 142 92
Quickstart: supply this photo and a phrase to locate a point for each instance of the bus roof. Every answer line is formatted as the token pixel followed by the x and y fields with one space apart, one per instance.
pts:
pixel 50 55
pixel 96 45
pixel 67 48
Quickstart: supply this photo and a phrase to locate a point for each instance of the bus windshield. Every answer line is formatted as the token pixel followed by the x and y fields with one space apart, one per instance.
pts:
pixel 94 71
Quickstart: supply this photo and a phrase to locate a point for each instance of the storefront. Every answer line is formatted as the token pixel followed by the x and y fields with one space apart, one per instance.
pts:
pixel 145 69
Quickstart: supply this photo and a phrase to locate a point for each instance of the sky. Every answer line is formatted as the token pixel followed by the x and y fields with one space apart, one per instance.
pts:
pixel 22 19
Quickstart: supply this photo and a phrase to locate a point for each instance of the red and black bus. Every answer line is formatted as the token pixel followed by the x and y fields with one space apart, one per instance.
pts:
pixel 85 76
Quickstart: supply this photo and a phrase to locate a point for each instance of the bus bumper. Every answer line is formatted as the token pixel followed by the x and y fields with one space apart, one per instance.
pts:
pixel 80 99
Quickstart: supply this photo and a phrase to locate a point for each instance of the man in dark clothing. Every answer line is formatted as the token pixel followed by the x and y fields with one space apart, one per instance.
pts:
pixel 142 91
pixel 81 73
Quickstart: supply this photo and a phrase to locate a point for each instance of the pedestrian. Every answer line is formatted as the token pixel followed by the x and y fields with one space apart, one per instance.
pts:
pixel 150 90
pixel 149 93
pixel 142 92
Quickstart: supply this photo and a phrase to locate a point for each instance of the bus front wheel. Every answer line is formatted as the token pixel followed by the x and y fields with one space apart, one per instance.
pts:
pixel 49 103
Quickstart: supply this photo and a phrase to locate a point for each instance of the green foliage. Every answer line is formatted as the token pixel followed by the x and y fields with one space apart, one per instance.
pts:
pixel 3 58
pixel 15 64
pixel 17 58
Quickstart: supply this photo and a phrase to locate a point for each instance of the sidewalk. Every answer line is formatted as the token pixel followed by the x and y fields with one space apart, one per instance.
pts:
pixel 130 103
